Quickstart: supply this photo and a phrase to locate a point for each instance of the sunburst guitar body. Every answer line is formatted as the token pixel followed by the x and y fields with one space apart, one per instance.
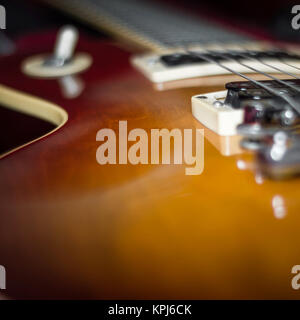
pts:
pixel 73 228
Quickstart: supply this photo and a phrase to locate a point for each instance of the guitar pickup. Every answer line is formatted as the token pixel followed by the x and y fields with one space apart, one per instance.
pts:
pixel 184 65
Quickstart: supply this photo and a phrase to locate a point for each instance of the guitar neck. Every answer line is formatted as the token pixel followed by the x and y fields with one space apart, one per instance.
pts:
pixel 152 26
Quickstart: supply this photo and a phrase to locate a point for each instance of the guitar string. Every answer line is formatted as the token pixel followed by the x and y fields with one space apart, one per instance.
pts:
pixel 210 60
pixel 280 49
pixel 295 104
pixel 262 62
pixel 281 59
pixel 285 97
pixel 288 64
pixel 291 101
pixel 251 57
pixel 255 70
pixel 271 49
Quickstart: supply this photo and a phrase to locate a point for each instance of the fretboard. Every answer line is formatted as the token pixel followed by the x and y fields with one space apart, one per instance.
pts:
pixel 146 23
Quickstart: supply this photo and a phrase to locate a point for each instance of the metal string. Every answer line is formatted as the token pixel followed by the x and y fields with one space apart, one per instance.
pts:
pixel 282 59
pixel 287 98
pixel 256 70
pixel 265 63
pixel 288 64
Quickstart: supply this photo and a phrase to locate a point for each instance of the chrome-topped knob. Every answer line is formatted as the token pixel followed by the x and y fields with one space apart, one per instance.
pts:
pixel 63 61
pixel 66 42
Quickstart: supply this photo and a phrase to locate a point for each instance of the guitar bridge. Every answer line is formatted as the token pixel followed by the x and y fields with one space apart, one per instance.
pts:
pixel 210 109
pixel 245 102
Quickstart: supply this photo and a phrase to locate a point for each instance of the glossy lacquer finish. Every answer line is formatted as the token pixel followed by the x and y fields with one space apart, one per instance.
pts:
pixel 71 228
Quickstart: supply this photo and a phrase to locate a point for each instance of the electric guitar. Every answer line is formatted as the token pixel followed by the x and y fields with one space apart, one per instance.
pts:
pixel 72 227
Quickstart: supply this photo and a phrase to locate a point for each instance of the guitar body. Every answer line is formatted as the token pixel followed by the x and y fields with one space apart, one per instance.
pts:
pixel 72 228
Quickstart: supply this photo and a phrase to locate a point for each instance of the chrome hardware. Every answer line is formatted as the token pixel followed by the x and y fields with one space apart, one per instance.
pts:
pixel 277 149
pixel 280 159
pixel 64 48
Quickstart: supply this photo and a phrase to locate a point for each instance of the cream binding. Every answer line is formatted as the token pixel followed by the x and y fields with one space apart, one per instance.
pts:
pixel 216 116
pixel 32 106
pixel 34 66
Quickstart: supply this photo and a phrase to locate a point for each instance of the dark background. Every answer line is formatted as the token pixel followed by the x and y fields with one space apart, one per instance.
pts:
pixel 273 18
